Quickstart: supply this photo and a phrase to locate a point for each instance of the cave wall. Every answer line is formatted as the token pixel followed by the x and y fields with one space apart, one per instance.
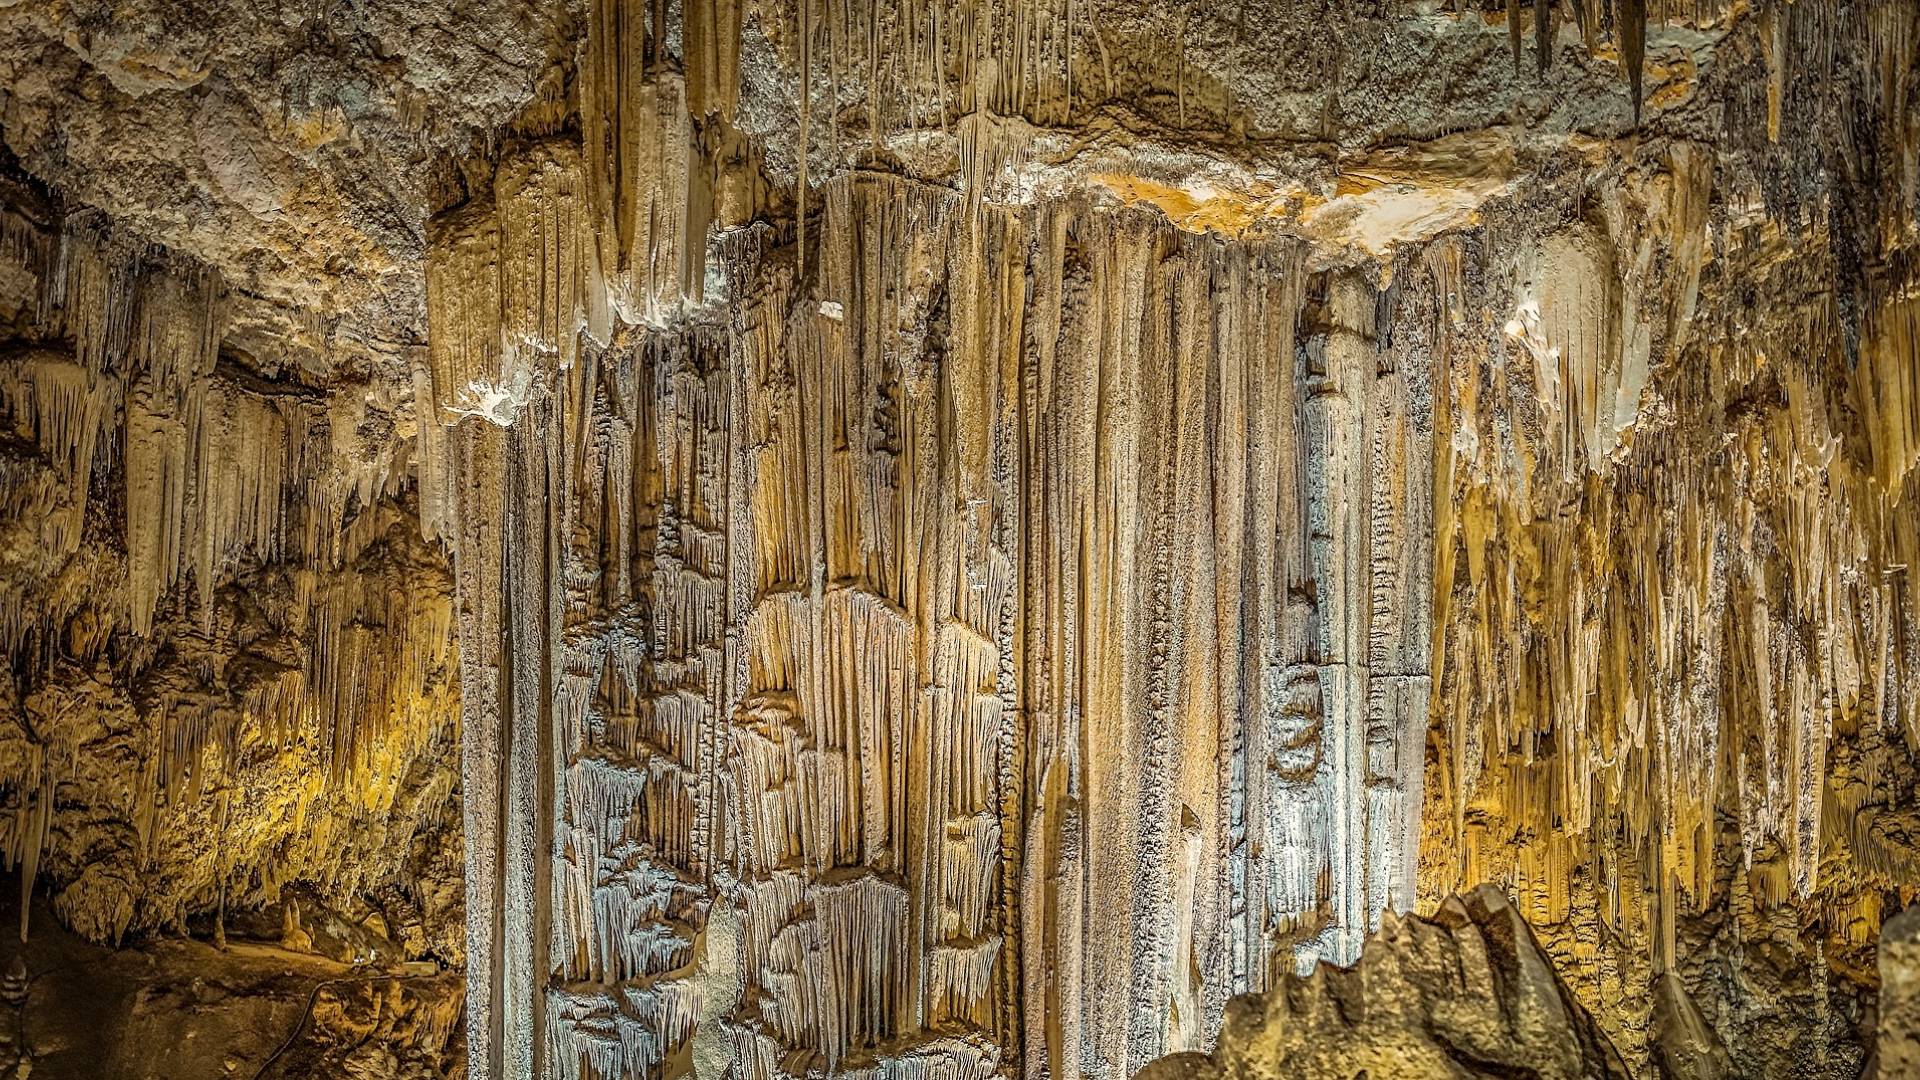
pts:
pixel 1046 734
pixel 1677 646
pixel 232 656
pixel 985 686
pixel 918 539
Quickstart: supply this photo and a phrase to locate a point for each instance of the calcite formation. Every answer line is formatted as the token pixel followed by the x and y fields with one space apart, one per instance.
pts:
pixel 938 540
pixel 229 642
pixel 1465 992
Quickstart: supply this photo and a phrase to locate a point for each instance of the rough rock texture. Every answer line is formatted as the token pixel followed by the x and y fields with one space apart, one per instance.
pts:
pixel 290 147
pixel 264 1009
pixel 1464 992
pixel 896 498
pixel 231 651
pixel 1897 1049
pixel 950 539
pixel 232 658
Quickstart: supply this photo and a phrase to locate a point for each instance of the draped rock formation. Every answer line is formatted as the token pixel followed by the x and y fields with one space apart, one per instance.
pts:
pixel 887 612
pixel 952 540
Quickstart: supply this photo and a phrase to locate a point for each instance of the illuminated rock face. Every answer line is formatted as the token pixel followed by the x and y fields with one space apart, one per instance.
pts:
pixel 1042 627
pixel 952 540
pixel 234 656
pixel 1464 992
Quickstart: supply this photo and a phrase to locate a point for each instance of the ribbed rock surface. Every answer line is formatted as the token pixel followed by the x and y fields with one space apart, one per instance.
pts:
pixel 937 539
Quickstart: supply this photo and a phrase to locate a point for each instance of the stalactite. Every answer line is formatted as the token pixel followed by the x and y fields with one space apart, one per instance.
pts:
pixel 591 570
pixel 892 641
pixel 1631 22
pixel 1709 608
pixel 888 607
pixel 1513 31
pixel 884 499
pixel 712 45
pixel 1543 35
pixel 647 184
pixel 175 494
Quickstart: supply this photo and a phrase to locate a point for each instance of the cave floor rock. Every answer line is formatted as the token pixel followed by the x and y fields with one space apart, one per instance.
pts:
pixel 182 1009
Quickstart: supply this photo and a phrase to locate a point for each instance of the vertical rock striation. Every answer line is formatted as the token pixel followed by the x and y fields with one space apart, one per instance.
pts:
pixel 231 655
pixel 1023 692
pixel 961 537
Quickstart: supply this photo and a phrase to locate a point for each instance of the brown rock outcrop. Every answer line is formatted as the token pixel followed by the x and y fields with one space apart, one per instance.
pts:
pixel 1465 992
